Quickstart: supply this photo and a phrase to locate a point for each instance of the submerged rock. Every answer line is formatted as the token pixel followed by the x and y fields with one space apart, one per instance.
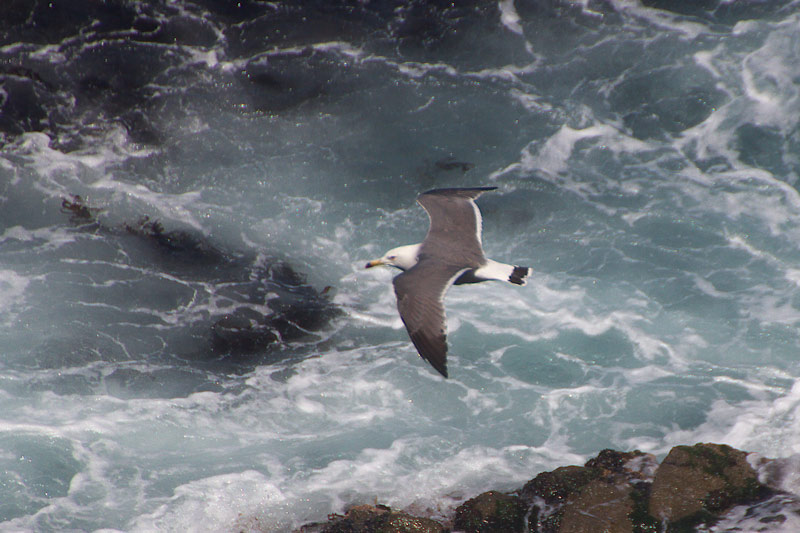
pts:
pixel 260 303
pixel 450 163
pixel 243 331
pixel 84 67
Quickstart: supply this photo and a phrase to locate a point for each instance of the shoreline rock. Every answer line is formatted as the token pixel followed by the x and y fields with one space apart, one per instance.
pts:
pixel 614 492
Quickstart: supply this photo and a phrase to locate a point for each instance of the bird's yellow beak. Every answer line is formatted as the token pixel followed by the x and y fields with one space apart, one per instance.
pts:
pixel 376 262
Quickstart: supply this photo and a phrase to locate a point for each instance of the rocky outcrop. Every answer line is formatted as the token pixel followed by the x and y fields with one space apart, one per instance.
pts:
pixel 491 512
pixel 695 484
pixel 375 519
pixel 615 492
pixel 605 494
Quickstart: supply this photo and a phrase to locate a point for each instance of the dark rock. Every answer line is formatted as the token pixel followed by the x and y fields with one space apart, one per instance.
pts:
pixel 118 55
pixel 380 519
pixel 79 211
pixel 616 492
pixel 640 518
pixel 633 465
pixel 599 506
pixel 53 21
pixel 140 127
pixel 180 248
pixel 193 31
pixel 491 512
pixel 114 75
pixel 434 25
pixel 295 309
pixel 554 487
pixel 449 163
pixel 21 106
pixel 695 484
pixel 289 79
pixel 241 332
pixel 599 496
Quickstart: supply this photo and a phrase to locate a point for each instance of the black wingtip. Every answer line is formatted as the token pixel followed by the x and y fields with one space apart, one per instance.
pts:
pixel 432 351
pixel 439 366
pixel 519 275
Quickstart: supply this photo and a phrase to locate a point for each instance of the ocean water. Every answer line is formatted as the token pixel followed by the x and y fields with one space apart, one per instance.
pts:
pixel 189 191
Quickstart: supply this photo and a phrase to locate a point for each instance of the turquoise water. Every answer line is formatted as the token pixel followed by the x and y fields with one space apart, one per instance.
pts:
pixel 647 167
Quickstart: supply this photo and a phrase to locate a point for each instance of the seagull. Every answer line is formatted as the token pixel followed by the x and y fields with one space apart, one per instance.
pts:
pixel 451 254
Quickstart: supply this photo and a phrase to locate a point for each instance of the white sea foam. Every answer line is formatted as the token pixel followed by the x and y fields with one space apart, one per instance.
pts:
pixel 776 515
pixel 44 239
pixel 247 501
pixel 12 294
pixel 663 19
pixel 770 427
pixel 509 17
pixel 551 160
pixel 758 85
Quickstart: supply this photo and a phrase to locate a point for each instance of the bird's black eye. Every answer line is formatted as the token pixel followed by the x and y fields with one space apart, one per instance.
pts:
pixel 391 257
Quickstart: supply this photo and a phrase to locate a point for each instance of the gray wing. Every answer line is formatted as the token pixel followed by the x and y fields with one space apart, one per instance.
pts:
pixel 420 300
pixel 455 231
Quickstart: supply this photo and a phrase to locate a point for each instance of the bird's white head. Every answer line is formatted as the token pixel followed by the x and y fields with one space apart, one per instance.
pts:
pixel 402 257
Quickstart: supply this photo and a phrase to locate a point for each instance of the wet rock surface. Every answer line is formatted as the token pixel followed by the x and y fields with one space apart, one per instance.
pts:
pixel 602 495
pixel 491 512
pixel 615 492
pixel 695 484
pixel 375 519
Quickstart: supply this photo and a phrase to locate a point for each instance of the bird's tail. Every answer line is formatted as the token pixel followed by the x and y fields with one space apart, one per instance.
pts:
pixel 500 271
pixel 519 276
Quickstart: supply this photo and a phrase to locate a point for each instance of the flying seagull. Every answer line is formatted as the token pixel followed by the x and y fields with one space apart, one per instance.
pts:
pixel 451 254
